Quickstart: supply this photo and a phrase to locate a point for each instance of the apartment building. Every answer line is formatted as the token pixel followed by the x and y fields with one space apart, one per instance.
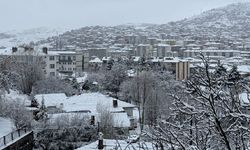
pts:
pixel 163 50
pixel 144 50
pixel 54 63
pixel 180 68
pixel 213 54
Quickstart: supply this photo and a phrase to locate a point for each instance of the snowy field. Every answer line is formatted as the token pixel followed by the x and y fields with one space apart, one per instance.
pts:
pixel 119 144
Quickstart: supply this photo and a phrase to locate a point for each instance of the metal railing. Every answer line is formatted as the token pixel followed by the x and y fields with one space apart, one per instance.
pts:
pixel 12 136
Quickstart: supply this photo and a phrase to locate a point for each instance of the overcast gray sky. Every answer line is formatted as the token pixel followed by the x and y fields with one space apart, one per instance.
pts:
pixel 25 14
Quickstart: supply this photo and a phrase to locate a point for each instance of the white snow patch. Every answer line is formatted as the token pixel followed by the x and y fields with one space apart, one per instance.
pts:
pixel 6 126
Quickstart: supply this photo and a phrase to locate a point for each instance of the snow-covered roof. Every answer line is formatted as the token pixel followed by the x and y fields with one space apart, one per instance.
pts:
pixel 34 51
pixel 244 68
pixel 95 60
pixel 81 79
pixel 156 59
pixel 244 99
pixel 88 104
pixel 54 99
pixel 163 45
pixel 174 60
pixel 61 52
pixel 212 50
pixel 83 102
pixel 136 58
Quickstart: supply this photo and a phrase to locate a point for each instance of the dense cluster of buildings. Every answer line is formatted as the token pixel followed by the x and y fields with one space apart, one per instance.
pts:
pixel 89 48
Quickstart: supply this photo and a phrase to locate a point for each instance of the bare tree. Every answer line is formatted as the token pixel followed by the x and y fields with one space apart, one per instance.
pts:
pixel 147 90
pixel 210 116
pixel 106 122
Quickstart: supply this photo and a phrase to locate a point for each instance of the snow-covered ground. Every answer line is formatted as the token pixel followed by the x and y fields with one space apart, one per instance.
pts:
pixel 6 126
pixel 110 144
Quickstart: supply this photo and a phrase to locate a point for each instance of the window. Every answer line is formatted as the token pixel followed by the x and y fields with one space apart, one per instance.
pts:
pixel 64 58
pixel 74 57
pixel 52 66
pixel 69 58
pixel 52 74
pixel 69 69
pixel 231 54
pixel 69 63
pixel 207 53
pixel 51 57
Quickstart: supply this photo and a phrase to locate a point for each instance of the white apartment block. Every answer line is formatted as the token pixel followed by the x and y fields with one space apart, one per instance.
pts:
pixel 65 62
pixel 216 54
pixel 54 63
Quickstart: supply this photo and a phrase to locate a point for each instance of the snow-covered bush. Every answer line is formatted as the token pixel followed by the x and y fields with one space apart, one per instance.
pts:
pixel 52 85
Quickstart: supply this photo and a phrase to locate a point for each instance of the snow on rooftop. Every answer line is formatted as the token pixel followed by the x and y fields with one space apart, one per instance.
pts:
pixel 83 102
pixel 60 52
pixel 174 60
pixel 244 68
pixel 95 60
pixel 212 50
pixel 163 45
pixel 87 104
pixel 244 99
pixel 136 59
pixel 54 99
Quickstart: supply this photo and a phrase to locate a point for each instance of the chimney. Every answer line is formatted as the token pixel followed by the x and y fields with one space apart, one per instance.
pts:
pixel 92 121
pixel 100 141
pixel 45 50
pixel 115 103
pixel 14 49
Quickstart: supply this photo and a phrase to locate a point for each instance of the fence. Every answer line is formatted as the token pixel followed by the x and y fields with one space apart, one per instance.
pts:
pixel 12 136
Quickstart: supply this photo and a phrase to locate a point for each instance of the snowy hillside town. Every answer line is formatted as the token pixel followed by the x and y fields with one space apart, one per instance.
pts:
pixel 181 85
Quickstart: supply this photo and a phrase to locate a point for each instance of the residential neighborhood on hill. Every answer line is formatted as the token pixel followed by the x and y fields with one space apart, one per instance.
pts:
pixel 179 85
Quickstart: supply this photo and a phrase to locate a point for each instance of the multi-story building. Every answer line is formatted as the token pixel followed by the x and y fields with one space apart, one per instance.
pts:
pixel 163 50
pixel 216 54
pixel 53 63
pixel 144 50
pixel 180 68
